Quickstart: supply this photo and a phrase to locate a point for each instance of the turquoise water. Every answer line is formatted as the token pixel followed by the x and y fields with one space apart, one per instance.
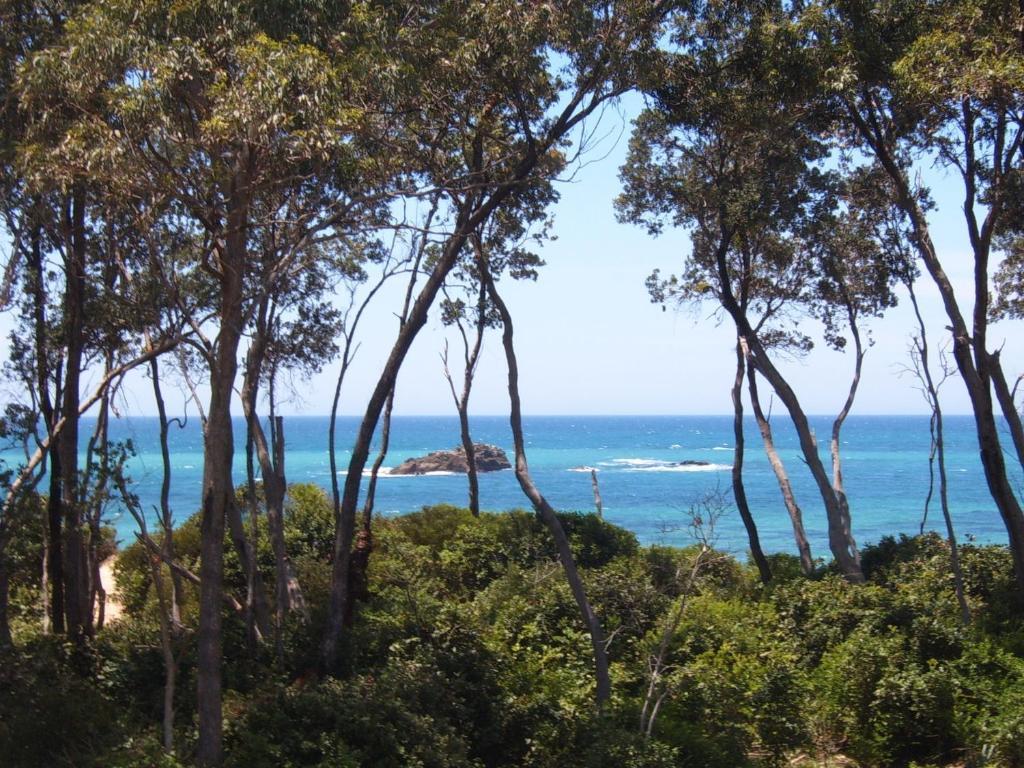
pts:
pixel 885 468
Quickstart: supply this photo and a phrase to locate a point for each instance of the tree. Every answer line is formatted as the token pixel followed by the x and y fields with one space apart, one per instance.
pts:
pixel 720 154
pixel 514 114
pixel 214 114
pixel 912 83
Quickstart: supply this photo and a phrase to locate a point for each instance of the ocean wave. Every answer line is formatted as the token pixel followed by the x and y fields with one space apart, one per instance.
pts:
pixel 675 445
pixel 682 468
pixel 583 469
pixel 722 448
pixel 386 472
pixel 634 463
pixel 661 465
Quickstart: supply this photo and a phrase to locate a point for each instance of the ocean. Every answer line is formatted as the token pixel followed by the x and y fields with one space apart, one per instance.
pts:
pixel 644 485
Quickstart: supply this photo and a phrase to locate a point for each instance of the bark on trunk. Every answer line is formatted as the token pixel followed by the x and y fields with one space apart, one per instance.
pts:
pixel 218 490
pixel 271 461
pixel 76 578
pixel 597 494
pixel 843 548
pixel 54 514
pixel 738 490
pixel 170 604
pixel 796 519
pixel 837 426
pixel 1007 405
pixel 166 522
pixel 603 685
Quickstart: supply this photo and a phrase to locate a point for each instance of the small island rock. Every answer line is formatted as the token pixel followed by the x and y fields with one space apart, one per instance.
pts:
pixel 489 458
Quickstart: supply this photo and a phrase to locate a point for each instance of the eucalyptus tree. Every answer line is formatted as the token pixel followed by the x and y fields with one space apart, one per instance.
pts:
pixel 292 331
pixel 722 154
pixel 215 112
pixel 525 77
pixel 913 83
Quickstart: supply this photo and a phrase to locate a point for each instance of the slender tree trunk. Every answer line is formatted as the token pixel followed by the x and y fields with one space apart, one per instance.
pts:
pixel 218 489
pixel 54 560
pixel 932 392
pixel 656 691
pixel 338 606
pixel 358 580
pixel 738 490
pixel 170 604
pixel 544 509
pixel 99 480
pixel 166 521
pixel 837 426
pixel 5 624
pixel 79 622
pixel 271 461
pixel 256 600
pixel 796 519
pixel 167 652
pixel 1007 405
pixel 55 546
pixel 840 542
pixel 597 494
pixel 471 356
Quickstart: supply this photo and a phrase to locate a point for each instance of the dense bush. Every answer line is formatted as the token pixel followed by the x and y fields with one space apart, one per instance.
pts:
pixel 470 651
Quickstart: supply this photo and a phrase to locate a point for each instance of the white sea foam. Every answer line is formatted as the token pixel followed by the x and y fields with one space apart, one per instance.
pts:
pixel 681 468
pixel 583 469
pixel 721 448
pixel 635 463
pixel 660 465
pixel 675 445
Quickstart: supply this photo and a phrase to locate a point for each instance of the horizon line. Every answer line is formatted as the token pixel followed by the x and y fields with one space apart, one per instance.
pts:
pixel 551 415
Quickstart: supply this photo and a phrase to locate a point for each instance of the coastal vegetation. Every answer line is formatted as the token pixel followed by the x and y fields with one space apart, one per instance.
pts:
pixel 215 192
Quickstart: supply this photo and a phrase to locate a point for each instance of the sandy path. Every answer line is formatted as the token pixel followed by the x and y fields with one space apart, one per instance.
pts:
pixel 113 607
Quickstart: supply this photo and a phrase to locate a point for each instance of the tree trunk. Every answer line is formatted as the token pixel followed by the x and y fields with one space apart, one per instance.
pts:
pixel 218 489
pixel 544 509
pixel 597 493
pixel 166 522
pixel 55 546
pixel 470 216
pixel 932 394
pixel 837 426
pixel 340 596
pixel 5 625
pixel 54 514
pixel 76 578
pixel 170 605
pixel 739 492
pixel 271 461
pixel 843 548
pixel 803 547
pixel 1007 405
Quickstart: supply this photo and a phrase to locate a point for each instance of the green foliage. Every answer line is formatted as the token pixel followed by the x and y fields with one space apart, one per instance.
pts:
pixel 471 652
pixel 54 709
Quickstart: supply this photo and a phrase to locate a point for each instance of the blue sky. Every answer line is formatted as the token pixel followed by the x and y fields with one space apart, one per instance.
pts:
pixel 590 342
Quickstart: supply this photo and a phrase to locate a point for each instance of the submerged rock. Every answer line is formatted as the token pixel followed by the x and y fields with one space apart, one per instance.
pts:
pixel 489 458
pixel 692 463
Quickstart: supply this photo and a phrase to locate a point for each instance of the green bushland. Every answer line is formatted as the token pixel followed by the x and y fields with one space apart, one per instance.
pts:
pixel 470 653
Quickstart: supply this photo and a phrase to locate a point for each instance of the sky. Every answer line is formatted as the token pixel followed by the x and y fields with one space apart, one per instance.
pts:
pixel 589 340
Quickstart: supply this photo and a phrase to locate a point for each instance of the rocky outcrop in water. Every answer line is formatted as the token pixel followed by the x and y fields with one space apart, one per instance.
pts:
pixel 489 458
